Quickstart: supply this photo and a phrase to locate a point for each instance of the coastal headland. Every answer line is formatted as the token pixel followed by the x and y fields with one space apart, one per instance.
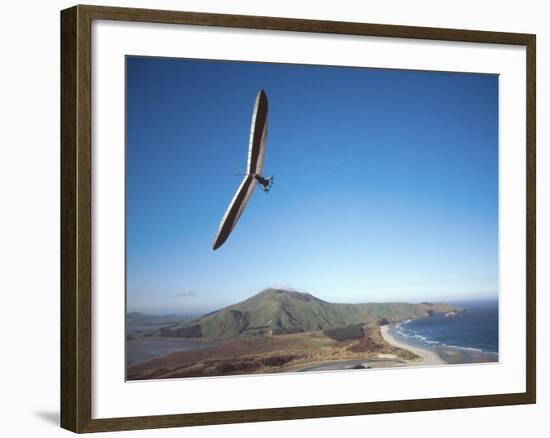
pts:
pixel 286 331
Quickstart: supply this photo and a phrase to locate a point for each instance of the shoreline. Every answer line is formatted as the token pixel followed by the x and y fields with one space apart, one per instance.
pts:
pixel 301 352
pixel 428 357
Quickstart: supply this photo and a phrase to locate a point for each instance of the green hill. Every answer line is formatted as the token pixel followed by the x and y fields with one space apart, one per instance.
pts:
pixel 276 311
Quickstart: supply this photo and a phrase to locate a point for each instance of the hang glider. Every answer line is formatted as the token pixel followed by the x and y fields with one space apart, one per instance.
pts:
pixel 256 150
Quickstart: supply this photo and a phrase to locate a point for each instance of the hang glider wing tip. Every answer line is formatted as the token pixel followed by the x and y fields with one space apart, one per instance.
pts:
pixel 220 238
pixel 219 241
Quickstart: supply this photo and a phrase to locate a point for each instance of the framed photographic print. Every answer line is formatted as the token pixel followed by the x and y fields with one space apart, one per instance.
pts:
pixel 304 218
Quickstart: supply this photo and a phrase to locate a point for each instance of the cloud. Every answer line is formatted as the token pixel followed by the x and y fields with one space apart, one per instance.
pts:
pixel 284 286
pixel 186 294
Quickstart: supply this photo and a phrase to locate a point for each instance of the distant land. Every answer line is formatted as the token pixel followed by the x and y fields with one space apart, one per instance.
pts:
pixel 144 317
pixel 138 323
pixel 276 330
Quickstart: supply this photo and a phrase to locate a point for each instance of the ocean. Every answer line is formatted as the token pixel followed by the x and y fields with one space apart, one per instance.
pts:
pixel 476 329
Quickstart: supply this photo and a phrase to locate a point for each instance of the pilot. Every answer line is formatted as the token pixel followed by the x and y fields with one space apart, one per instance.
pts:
pixel 265 182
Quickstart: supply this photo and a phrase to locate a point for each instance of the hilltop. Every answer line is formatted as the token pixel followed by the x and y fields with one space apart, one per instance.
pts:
pixel 279 311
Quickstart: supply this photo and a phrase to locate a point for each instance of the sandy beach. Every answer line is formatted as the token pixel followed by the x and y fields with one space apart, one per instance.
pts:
pixel 428 357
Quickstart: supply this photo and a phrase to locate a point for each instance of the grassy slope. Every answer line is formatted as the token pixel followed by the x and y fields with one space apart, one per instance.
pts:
pixel 278 311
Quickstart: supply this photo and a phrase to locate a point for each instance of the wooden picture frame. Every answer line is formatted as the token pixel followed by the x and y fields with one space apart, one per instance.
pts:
pixel 76 217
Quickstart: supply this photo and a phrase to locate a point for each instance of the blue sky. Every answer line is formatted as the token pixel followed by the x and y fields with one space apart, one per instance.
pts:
pixel 386 184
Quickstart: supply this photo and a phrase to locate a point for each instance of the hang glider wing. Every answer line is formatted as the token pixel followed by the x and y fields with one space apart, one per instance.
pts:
pixel 258 135
pixel 235 210
pixel 258 131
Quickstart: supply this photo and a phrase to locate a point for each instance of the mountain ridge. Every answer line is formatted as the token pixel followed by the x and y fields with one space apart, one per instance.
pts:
pixel 279 311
